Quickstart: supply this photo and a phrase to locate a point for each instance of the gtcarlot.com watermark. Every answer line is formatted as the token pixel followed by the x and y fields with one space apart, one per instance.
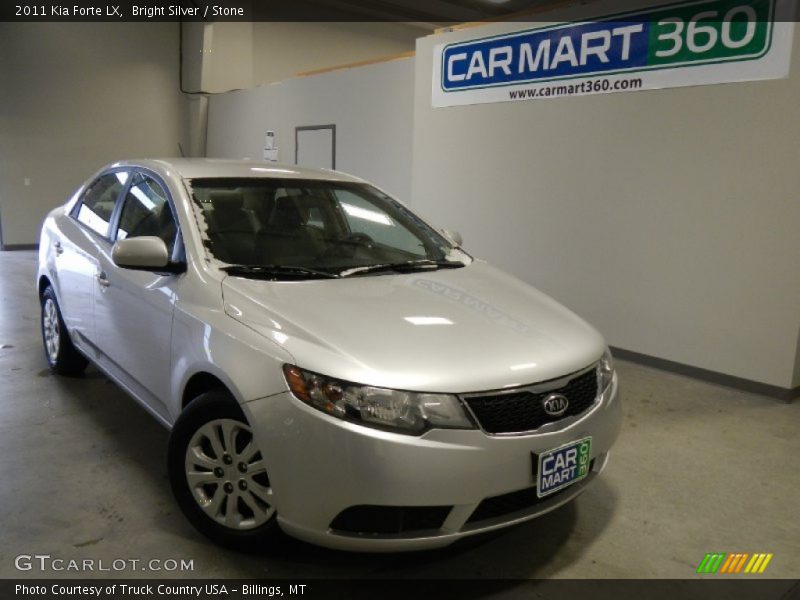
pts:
pixel 48 563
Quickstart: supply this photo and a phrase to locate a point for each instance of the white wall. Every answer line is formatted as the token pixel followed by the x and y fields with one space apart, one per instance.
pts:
pixel 281 50
pixel 74 97
pixel 669 219
pixel 223 56
pixel 371 107
pixel 217 56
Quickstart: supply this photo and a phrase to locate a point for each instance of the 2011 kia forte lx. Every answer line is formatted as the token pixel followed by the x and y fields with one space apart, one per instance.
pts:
pixel 327 361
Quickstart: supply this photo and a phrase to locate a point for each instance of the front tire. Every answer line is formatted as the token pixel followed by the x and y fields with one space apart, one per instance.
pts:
pixel 62 356
pixel 218 474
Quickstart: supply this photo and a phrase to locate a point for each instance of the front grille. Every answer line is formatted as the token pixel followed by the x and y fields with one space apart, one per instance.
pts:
pixel 389 520
pixel 517 412
pixel 498 506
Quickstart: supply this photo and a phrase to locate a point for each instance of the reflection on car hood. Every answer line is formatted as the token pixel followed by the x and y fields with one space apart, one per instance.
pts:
pixel 461 330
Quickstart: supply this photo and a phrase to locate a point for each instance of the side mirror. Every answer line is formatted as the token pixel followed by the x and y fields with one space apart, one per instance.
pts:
pixel 453 236
pixel 146 253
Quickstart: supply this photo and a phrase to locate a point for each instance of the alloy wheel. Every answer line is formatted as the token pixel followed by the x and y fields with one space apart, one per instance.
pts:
pixel 226 475
pixel 51 329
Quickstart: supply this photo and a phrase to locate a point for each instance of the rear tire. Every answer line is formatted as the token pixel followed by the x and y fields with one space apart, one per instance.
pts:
pixel 62 356
pixel 218 475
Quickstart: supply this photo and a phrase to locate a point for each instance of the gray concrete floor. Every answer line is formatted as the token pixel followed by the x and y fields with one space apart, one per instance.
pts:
pixel 698 468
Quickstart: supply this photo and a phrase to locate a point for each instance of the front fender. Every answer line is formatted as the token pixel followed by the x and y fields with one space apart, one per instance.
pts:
pixel 249 364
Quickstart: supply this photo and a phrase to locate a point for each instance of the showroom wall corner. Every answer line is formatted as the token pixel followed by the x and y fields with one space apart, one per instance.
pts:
pixel 667 218
pixel 82 95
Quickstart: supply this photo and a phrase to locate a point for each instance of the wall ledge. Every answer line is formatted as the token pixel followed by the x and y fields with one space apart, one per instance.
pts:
pixel 11 247
pixel 731 381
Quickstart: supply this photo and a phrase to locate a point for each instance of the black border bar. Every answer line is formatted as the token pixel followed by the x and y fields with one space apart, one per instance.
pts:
pixel 443 13
pixel 711 587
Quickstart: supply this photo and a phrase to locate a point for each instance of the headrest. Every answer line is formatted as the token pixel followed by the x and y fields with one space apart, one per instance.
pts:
pixel 228 214
pixel 224 201
pixel 286 214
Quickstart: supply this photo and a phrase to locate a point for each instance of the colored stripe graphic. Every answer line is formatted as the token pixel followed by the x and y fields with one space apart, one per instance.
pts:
pixel 758 563
pixel 711 562
pixel 733 563
pixel 729 562
pixel 741 562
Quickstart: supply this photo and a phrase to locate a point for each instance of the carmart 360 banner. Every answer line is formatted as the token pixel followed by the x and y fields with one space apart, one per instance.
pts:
pixel 690 43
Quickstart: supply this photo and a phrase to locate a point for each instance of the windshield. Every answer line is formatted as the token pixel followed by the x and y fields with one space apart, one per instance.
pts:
pixel 325 226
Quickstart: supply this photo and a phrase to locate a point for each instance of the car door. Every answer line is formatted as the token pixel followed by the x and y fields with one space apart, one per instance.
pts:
pixel 81 234
pixel 133 308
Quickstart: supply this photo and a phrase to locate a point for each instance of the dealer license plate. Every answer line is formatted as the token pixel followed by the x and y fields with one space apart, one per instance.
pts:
pixel 563 466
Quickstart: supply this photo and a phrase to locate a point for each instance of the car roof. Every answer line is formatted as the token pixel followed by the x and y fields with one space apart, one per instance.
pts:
pixel 192 168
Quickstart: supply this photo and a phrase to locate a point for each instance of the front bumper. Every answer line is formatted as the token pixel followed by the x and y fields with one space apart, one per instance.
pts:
pixel 319 466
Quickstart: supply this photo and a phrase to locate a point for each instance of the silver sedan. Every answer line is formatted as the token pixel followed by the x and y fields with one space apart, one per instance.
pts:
pixel 327 361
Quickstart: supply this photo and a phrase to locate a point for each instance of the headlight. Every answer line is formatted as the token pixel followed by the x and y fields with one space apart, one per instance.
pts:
pixel 605 371
pixel 405 412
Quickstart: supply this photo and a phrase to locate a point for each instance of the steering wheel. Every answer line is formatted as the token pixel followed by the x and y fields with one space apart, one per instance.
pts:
pixel 349 244
pixel 358 239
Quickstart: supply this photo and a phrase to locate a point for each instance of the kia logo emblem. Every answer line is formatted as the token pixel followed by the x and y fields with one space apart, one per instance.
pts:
pixel 555 405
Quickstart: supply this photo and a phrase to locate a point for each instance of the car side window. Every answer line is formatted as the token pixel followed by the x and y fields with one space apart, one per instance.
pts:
pixel 97 203
pixel 146 211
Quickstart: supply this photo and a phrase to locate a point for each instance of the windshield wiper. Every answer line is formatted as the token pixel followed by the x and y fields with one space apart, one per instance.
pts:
pixel 404 267
pixel 274 272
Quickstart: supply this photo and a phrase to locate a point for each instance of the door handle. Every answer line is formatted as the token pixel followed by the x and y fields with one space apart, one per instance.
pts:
pixel 102 279
pixel 58 248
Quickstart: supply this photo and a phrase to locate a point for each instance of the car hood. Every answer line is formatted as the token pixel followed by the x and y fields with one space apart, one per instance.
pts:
pixel 452 330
